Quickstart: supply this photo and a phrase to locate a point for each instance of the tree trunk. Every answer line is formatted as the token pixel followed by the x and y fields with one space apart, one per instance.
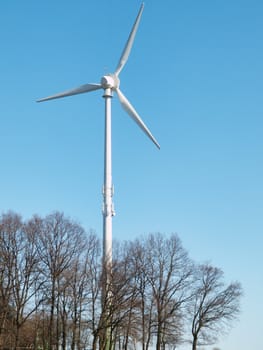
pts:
pixel 159 336
pixel 17 327
pixel 74 328
pixel 194 345
pixel 51 319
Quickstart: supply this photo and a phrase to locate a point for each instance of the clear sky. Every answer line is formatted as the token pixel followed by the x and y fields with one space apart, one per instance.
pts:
pixel 195 76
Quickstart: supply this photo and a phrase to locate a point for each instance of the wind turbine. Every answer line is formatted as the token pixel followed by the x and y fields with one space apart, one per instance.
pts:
pixel 110 83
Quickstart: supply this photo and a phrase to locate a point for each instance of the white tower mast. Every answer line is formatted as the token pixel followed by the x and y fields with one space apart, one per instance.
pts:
pixel 107 211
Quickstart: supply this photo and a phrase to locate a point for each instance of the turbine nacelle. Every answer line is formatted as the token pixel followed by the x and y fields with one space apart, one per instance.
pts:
pixel 110 81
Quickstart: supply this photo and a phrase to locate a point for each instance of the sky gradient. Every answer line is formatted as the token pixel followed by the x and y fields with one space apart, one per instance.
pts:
pixel 194 75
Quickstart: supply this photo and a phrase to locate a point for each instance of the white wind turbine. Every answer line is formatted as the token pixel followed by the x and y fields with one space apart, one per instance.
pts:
pixel 111 83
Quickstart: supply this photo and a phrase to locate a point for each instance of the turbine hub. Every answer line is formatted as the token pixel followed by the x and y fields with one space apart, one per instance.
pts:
pixel 110 81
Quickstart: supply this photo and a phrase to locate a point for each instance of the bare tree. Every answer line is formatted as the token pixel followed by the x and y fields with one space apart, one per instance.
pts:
pixel 60 242
pixel 9 223
pixel 19 265
pixel 145 306
pixel 125 301
pixel 214 305
pixel 91 306
pixel 26 281
pixel 164 276
pixel 169 273
pixel 117 303
pixel 84 289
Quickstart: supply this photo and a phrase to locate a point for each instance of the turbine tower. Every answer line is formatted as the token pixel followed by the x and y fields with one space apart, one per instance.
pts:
pixel 110 83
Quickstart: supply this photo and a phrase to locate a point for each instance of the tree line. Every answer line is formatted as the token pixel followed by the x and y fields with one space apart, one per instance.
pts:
pixel 51 277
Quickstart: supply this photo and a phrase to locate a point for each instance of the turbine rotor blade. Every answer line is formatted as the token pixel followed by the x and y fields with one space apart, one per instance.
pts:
pixel 79 90
pixel 135 116
pixel 129 43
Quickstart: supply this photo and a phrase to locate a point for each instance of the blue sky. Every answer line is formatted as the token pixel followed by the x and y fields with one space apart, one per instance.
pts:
pixel 194 75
